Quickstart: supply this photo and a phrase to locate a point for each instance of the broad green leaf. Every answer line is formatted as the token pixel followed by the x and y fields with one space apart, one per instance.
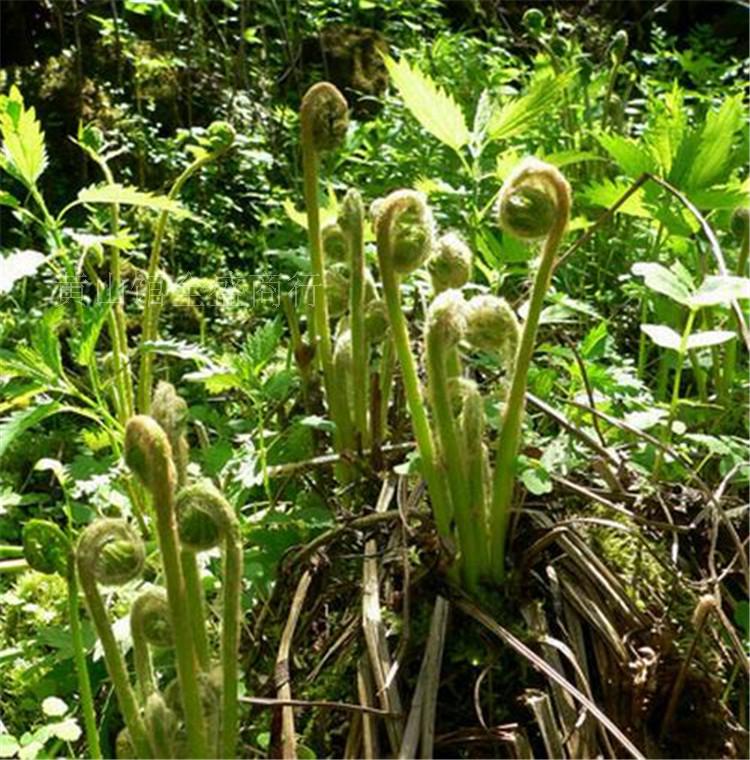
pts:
pixel 217 379
pixel 719 198
pixel 668 129
pixel 18 265
pixel 607 192
pixel 433 108
pixel 515 115
pixel 720 289
pixel 633 158
pixel 713 157
pixel 567 157
pixel 131 196
pixel 661 280
pixel 54 707
pixel 23 140
pixel 709 338
pixel 663 336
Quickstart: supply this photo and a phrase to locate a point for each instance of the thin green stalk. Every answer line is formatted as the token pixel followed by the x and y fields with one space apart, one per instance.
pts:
pixel 79 655
pixel 91 544
pixel 196 607
pixel 232 587
pixel 321 326
pixel 730 354
pixel 435 478
pixel 558 194
pixel 453 458
pixel 675 400
pixel 149 454
pixel 387 361
pixel 360 362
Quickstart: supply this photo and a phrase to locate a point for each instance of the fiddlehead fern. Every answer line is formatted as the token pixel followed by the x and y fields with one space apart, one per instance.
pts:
pixel 149 455
pixel 149 625
pixel 534 202
pixel 444 328
pixel 393 216
pixel 210 700
pixel 46 548
pixel 170 411
pixel 109 552
pixel 351 222
pixel 492 326
pixel 324 119
pixel 161 724
pixel 450 264
pixel 205 518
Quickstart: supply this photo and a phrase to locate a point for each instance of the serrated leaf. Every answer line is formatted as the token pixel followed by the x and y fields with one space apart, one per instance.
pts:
pixel 720 289
pixel 13 425
pixel 261 346
pixel 6 199
pixel 18 265
pixel 515 115
pixel 217 379
pixel 661 280
pixel 663 336
pixel 45 341
pixel 432 107
pixel 709 338
pixel 607 192
pixel 713 157
pixel 23 140
pixel 564 158
pixel 180 349
pixel 632 158
pixel 131 196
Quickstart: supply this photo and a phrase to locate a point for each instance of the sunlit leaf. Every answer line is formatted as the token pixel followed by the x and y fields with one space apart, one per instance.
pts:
pixel 23 140
pixel 721 289
pixel 661 280
pixel 663 336
pixel 433 108
pixel 131 196
pixel 709 338
pixel 54 707
pixel 631 157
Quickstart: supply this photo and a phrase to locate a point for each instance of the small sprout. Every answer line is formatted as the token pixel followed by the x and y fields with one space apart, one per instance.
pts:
pixel 619 45
pixel 335 246
pixel 450 264
pixel 324 115
pixel 491 325
pixel 220 136
pixel 446 319
pixel 376 321
pixel 110 552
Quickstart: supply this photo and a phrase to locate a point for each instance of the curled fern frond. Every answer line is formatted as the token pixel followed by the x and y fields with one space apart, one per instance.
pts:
pixel 324 116
pixel 109 552
pixel 491 325
pixel 46 548
pixel 450 264
pixel 148 452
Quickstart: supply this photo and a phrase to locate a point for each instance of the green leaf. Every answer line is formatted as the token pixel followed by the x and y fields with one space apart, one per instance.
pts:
pixel 535 477
pixel 44 339
pixel 433 108
pixel 663 336
pixel 567 157
pixel 180 349
pixel 131 196
pixel 713 158
pixel 18 422
pixel 633 159
pixel 18 265
pixel 661 280
pixel 93 320
pixel 515 115
pixel 318 423
pixel 217 379
pixel 607 192
pixel 720 289
pixel 54 707
pixel 23 140
pixel 6 199
pixel 710 338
